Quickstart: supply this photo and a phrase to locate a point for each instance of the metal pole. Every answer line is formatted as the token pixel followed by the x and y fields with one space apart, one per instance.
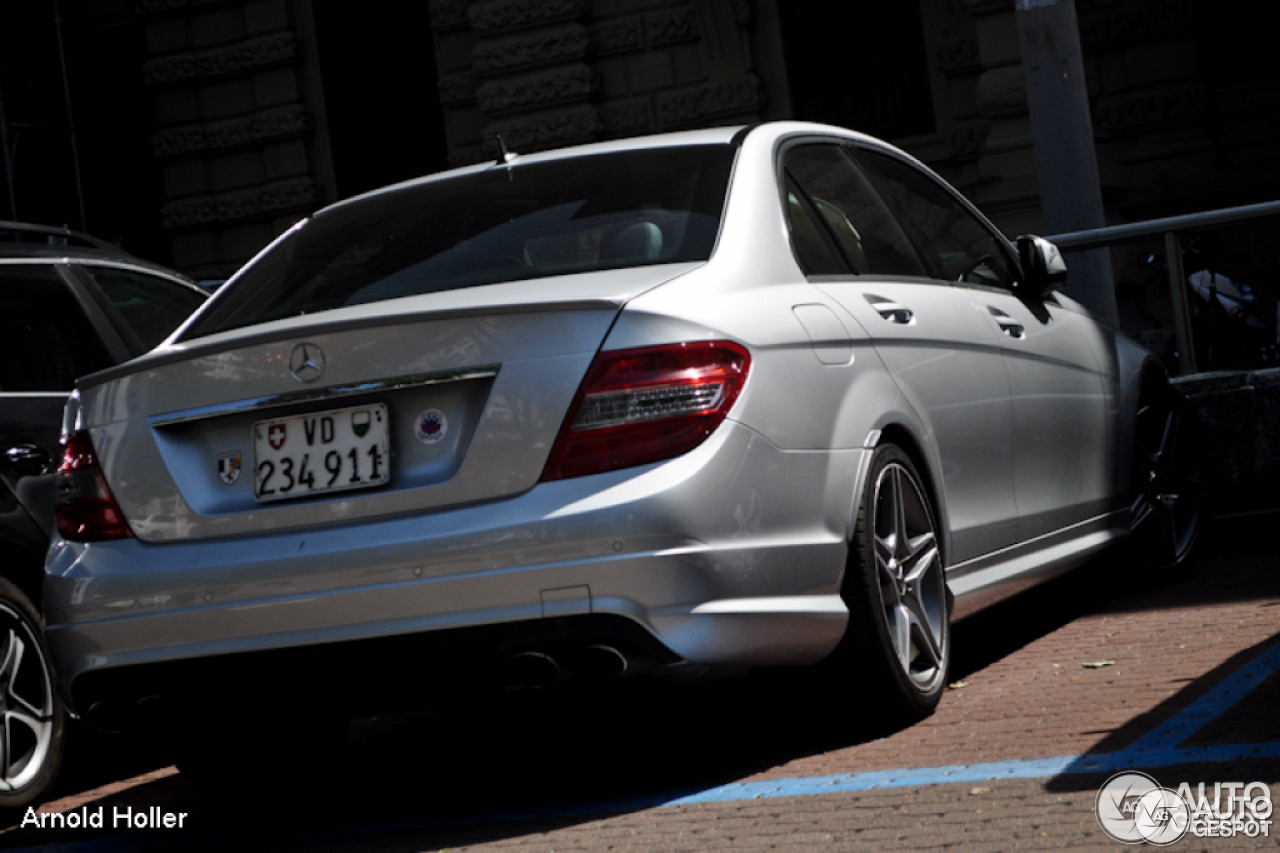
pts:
pixel 8 160
pixel 71 122
pixel 1062 132
pixel 1181 310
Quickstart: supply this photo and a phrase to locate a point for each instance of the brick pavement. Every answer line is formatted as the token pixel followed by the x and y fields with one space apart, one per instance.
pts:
pixel 1026 697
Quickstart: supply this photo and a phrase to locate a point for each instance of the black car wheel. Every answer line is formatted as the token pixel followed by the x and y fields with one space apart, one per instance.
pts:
pixel 1168 504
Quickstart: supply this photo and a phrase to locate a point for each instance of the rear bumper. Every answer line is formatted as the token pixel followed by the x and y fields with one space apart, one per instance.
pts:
pixel 729 555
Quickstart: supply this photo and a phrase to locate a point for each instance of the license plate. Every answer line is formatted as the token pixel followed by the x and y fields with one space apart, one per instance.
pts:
pixel 311 454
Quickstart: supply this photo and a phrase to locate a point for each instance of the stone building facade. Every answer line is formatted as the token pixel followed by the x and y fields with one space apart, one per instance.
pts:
pixel 240 92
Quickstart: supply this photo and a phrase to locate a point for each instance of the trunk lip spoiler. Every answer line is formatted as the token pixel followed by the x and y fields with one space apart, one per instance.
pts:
pixel 186 351
pixel 315 395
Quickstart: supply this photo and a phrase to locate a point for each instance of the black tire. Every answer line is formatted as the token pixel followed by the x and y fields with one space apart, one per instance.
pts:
pixel 32 719
pixel 897 648
pixel 1167 508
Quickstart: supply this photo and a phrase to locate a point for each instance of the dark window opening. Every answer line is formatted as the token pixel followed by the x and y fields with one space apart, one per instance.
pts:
pixel 859 64
pixel 381 102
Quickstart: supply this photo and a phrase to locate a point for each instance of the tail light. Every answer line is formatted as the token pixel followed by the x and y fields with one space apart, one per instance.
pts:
pixel 644 405
pixel 85 508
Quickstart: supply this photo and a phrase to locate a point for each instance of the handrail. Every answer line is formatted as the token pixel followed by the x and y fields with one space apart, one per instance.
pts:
pixel 1169 228
pixel 1098 237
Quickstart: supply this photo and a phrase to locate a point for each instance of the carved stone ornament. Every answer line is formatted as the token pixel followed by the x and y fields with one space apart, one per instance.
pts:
pixel 495 15
pixel 448 14
pixel 546 130
pixel 251 54
pixel 244 204
pixel 565 43
pixel 271 124
pixel 672 26
pixel 688 106
pixel 153 7
pixel 539 89
pixel 1146 110
pixel 965 140
pixel 959 56
pixel 1002 92
pixel 1135 22
pixel 457 89
pixel 626 118
pixel 617 35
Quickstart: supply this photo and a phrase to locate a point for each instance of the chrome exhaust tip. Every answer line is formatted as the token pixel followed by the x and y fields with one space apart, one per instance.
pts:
pixel 529 671
pixel 599 663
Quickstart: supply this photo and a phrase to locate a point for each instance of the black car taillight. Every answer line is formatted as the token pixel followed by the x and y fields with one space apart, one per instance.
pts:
pixel 644 405
pixel 85 508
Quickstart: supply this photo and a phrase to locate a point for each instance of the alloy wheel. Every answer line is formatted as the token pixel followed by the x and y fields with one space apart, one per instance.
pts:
pixel 1168 504
pixel 910 573
pixel 27 714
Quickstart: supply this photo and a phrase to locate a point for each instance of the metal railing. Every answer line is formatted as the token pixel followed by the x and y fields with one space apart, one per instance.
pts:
pixel 1170 228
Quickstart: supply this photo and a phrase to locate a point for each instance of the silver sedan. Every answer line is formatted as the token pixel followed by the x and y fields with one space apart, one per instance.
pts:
pixel 719 399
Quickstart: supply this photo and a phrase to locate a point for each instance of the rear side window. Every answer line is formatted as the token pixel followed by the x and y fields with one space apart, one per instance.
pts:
pixel 962 247
pixel 46 341
pixel 867 233
pixel 152 306
pixel 525 222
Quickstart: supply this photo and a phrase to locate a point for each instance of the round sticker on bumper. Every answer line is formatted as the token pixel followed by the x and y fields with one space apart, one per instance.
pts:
pixel 431 426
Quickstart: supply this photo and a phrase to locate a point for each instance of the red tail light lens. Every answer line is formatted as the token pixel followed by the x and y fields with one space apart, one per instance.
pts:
pixel 85 508
pixel 644 405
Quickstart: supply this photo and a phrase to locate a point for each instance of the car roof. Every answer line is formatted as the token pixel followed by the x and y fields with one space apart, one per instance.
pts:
pixel 50 244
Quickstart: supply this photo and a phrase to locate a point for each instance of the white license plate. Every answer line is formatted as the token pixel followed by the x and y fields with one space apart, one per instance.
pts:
pixel 312 454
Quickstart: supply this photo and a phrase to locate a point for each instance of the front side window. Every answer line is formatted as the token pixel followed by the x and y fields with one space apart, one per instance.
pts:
pixel 525 222
pixel 151 306
pixel 867 233
pixel 46 341
pixel 959 244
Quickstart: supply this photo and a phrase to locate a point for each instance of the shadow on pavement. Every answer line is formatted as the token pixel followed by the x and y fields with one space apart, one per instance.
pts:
pixel 486 773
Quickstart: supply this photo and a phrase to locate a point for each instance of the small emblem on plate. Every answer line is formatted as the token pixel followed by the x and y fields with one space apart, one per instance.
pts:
pixel 275 436
pixel 229 467
pixel 431 426
pixel 360 423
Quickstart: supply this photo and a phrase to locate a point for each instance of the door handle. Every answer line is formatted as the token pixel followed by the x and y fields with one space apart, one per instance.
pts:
pixel 1008 325
pixel 28 459
pixel 890 310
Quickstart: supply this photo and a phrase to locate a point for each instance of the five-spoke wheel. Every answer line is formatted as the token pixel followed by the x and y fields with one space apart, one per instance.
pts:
pixel 898 644
pixel 1168 504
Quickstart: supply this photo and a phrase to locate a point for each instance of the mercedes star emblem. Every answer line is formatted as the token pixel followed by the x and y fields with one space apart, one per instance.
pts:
pixel 306 363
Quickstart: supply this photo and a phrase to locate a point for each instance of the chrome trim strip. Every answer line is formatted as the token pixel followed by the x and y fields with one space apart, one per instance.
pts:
pixel 332 392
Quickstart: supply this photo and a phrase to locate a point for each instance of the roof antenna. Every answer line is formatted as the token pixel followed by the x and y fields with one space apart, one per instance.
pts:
pixel 504 156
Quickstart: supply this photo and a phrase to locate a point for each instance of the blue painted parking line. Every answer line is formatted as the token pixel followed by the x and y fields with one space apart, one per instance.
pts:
pixel 1158 748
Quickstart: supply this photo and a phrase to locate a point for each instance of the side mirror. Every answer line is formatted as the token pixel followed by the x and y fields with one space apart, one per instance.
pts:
pixel 1043 269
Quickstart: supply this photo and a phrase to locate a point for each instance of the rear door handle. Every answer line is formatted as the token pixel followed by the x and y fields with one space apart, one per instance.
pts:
pixel 1008 325
pixel 890 310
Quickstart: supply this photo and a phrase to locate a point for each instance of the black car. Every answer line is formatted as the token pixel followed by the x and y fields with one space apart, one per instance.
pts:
pixel 69 305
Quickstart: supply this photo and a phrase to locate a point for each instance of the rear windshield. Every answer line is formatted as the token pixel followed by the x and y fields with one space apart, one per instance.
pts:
pixel 529 221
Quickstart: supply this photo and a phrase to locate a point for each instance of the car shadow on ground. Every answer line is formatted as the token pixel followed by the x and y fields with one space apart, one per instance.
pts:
pixel 488 772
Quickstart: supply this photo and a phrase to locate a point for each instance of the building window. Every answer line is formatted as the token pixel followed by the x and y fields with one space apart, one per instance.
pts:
pixel 859 64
